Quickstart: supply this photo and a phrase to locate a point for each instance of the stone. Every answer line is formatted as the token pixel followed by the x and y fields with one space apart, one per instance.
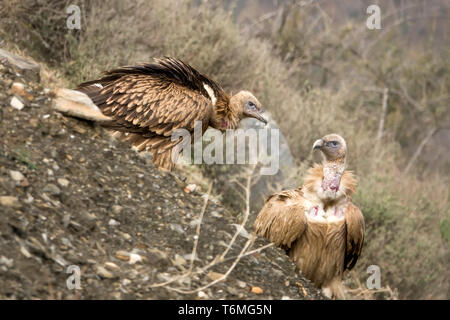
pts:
pixel 63 182
pixel 18 89
pixel 16 103
pixel 10 201
pixel 17 176
pixel 111 266
pixel 123 255
pixel 257 290
pixel 116 209
pixel 215 275
pixel 176 227
pixel 190 188
pixel 52 189
pixel 113 223
pixel 28 68
pixel 103 273
pixel 134 258
pixel 7 262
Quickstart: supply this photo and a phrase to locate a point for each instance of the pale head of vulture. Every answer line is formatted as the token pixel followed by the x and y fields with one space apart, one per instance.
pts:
pixel 333 147
pixel 246 105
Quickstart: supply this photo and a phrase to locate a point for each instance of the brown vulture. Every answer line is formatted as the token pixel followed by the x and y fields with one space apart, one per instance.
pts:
pixel 317 224
pixel 148 102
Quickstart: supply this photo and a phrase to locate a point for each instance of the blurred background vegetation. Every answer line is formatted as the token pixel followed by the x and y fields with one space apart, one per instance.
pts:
pixel 318 69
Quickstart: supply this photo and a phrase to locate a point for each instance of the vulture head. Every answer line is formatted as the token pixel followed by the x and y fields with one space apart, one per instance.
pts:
pixel 333 147
pixel 246 105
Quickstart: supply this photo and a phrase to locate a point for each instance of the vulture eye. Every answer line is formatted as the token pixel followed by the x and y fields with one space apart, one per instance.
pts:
pixel 333 144
pixel 251 105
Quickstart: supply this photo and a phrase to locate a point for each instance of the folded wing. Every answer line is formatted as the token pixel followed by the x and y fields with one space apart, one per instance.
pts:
pixel 152 99
pixel 282 219
pixel 354 221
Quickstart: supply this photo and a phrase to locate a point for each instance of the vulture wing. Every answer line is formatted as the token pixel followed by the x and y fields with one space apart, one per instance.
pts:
pixel 151 101
pixel 282 218
pixel 355 235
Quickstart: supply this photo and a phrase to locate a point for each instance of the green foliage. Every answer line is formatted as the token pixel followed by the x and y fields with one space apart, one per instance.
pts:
pixel 445 230
pixel 23 155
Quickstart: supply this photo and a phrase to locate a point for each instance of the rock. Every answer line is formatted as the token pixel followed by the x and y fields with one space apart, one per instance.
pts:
pixel 77 104
pixel 125 235
pixel 190 188
pixel 134 258
pixel 116 209
pixel 215 275
pixel 7 262
pixel 189 257
pixel 126 282
pixel 26 67
pixel 257 290
pixel 155 256
pixel 25 252
pixel 103 273
pixel 52 189
pixel 63 182
pixel 16 103
pixel 241 284
pixel 123 255
pixel 17 176
pixel 111 266
pixel 232 291
pixel 178 261
pixel 177 228
pixel 10 201
pixel 18 89
pixel 113 223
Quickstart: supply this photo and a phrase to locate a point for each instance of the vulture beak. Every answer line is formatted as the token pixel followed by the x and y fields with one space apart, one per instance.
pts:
pixel 318 144
pixel 254 114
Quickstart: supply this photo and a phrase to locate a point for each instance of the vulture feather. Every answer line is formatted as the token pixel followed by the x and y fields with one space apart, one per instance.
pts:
pixel 317 224
pixel 147 103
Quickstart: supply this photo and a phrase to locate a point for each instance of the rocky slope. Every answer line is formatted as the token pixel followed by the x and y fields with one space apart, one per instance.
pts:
pixel 70 195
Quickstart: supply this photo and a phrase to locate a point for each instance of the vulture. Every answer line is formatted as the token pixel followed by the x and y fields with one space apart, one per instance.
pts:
pixel 317 224
pixel 148 102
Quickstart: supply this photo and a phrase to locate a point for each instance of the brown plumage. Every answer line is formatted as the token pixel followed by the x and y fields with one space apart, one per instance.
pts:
pixel 147 103
pixel 318 225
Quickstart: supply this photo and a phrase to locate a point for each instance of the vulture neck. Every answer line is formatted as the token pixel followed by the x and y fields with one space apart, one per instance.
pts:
pixel 226 115
pixel 332 174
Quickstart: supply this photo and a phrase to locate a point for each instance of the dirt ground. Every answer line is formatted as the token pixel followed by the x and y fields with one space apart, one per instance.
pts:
pixel 70 195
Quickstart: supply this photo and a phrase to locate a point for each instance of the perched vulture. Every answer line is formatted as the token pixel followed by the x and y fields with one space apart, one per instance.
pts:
pixel 317 224
pixel 147 103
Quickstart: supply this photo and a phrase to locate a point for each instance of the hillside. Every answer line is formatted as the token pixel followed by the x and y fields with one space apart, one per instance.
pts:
pixel 72 195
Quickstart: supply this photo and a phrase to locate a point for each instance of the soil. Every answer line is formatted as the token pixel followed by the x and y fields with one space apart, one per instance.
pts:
pixel 71 195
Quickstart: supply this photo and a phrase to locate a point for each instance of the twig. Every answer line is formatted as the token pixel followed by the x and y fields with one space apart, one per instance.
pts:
pixel 220 258
pixel 419 149
pixel 221 278
pixel 383 115
pixel 202 213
